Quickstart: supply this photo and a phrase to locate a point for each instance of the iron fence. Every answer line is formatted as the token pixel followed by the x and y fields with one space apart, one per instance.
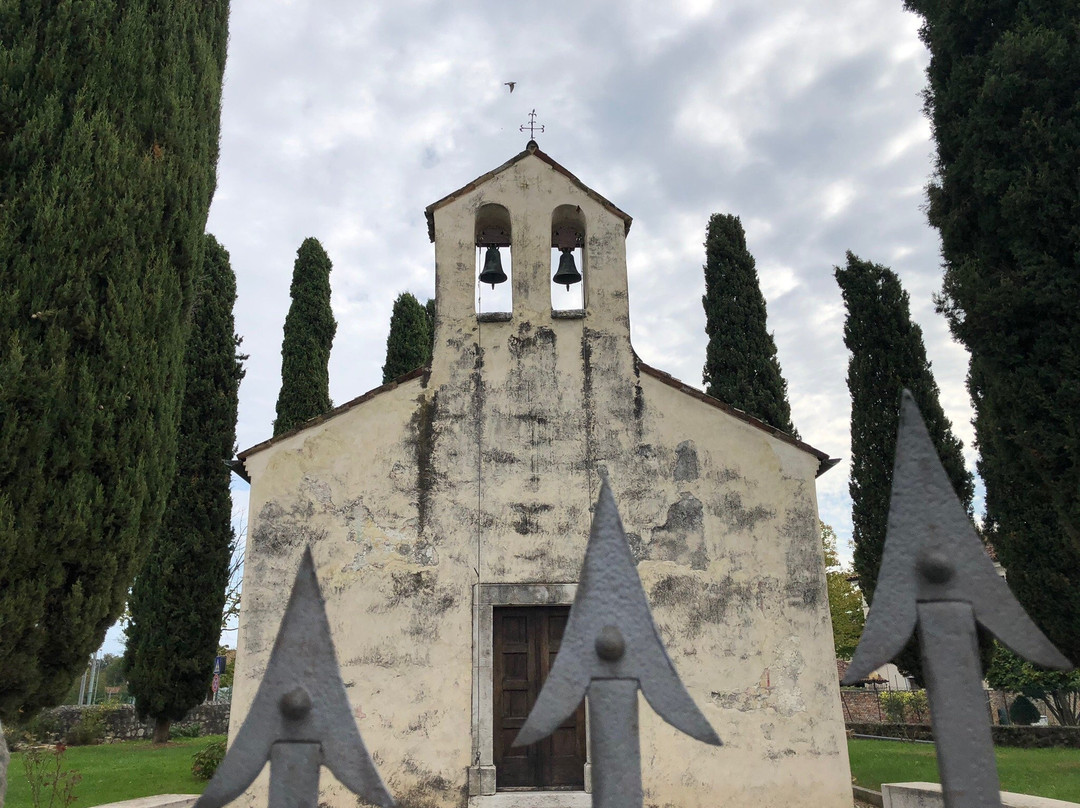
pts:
pixel 934 574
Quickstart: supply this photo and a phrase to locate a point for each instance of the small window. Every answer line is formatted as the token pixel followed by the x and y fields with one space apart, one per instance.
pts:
pixel 494 261
pixel 567 259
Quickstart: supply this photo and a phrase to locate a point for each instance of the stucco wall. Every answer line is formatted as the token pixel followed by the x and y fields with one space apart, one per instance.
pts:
pixel 484 471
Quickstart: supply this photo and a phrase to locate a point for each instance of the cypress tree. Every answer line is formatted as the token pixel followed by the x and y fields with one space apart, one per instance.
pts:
pixel 408 345
pixel 741 368
pixel 108 143
pixel 430 307
pixel 309 336
pixel 887 355
pixel 178 596
pixel 1004 102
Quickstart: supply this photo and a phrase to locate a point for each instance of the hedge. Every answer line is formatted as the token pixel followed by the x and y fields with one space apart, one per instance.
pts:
pixel 1023 737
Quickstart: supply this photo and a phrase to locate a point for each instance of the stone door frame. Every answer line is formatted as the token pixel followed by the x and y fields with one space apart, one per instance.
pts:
pixel 485 598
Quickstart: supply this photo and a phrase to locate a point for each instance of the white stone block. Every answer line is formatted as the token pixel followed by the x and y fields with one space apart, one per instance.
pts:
pixel 928 795
pixel 157 801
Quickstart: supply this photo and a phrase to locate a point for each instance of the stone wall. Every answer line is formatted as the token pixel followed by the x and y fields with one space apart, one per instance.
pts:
pixel 864 706
pixel 121 724
pixel 861 707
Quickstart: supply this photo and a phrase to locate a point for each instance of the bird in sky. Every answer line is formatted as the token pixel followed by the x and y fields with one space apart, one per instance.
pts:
pixel 510 84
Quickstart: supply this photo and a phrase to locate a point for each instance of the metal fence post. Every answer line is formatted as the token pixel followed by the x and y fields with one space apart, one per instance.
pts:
pixel 300 718
pixel 610 649
pixel 935 573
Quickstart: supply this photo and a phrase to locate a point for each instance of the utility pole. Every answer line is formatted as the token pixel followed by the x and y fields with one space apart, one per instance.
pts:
pixel 82 685
pixel 93 679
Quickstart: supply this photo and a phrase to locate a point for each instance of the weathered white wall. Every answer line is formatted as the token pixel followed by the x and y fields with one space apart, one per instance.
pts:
pixel 484 472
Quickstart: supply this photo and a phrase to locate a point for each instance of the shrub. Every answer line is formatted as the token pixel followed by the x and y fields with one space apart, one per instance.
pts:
pixel 1020 737
pixel 89 729
pixel 919 705
pixel 12 736
pixel 205 762
pixel 51 784
pixel 192 730
pixel 901 706
pixel 41 729
pixel 1023 712
pixel 893 704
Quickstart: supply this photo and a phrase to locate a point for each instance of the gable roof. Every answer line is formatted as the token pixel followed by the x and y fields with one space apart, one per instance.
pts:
pixel 824 461
pixel 237 465
pixel 532 149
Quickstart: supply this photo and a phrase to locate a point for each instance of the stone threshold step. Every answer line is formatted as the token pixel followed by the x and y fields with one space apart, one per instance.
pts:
pixel 157 801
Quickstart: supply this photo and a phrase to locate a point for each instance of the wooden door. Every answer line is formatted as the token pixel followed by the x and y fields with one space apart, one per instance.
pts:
pixel 525 643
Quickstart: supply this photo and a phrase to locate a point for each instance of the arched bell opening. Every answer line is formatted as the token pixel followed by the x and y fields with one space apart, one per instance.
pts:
pixel 494 261
pixel 567 258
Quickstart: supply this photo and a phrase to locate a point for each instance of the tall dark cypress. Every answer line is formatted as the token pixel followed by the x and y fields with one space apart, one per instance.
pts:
pixel 109 118
pixel 309 336
pixel 741 368
pixel 408 345
pixel 178 596
pixel 1004 101
pixel 430 308
pixel 887 355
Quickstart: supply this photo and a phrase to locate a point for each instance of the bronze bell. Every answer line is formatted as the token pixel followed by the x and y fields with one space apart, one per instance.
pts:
pixel 493 271
pixel 567 272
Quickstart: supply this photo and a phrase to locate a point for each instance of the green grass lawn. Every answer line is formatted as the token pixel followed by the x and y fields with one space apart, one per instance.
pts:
pixel 123 771
pixel 118 771
pixel 1053 773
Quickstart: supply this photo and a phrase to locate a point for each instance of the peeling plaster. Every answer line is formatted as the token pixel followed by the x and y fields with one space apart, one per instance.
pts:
pixel 278 531
pixel 730 508
pixel 682 536
pixel 686 461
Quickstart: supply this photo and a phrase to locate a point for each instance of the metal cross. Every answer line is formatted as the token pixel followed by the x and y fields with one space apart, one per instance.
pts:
pixel 610 649
pixel 935 573
pixel 532 125
pixel 300 717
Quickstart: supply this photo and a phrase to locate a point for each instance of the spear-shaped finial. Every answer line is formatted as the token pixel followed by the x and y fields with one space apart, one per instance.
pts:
pixel 300 717
pixel 935 572
pixel 610 649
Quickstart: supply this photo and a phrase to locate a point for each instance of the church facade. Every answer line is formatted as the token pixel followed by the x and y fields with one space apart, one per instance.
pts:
pixel 448 513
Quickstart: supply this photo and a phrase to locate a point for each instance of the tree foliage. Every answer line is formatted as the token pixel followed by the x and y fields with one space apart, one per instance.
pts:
pixel 741 367
pixel 845 599
pixel 1023 712
pixel 230 665
pixel 1059 690
pixel 109 118
pixel 887 355
pixel 1004 102
pixel 177 599
pixel 430 308
pixel 110 674
pixel 408 345
pixel 309 335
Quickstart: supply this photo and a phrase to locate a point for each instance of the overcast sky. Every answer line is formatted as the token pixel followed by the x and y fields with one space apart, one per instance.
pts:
pixel 343 120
